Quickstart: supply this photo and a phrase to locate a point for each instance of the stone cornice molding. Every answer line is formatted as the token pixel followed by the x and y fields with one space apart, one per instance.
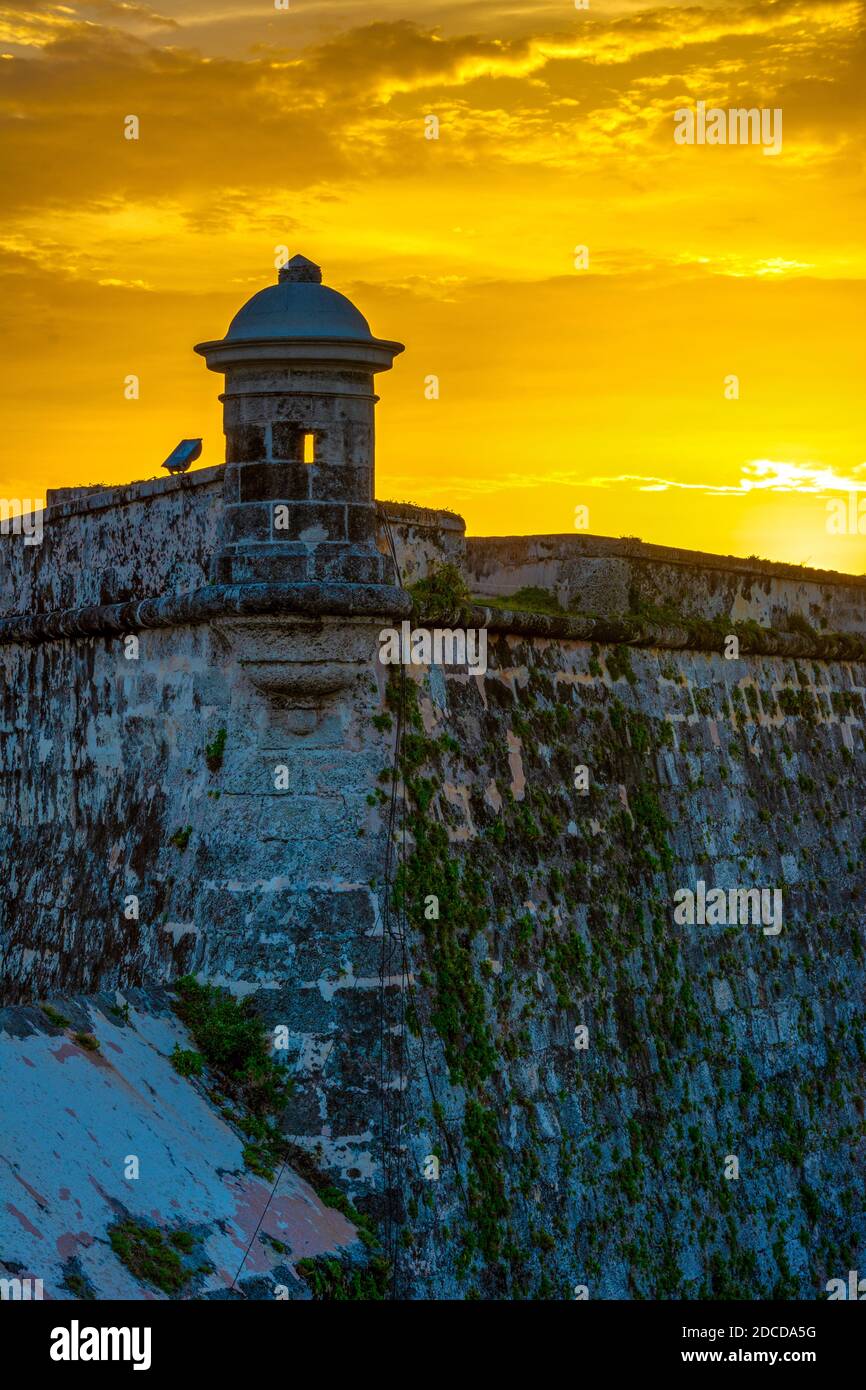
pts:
pixel 206 604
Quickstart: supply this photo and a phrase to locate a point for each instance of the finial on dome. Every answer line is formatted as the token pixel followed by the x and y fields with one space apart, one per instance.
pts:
pixel 301 271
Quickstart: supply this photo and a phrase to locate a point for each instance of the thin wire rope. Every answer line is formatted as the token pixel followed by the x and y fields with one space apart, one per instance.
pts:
pixel 410 986
pixel 283 1167
pixel 385 1050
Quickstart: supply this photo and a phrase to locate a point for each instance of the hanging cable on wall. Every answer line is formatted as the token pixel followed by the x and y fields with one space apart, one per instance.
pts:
pixel 397 941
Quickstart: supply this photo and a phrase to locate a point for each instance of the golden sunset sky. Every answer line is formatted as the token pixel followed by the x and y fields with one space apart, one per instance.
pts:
pixel 560 387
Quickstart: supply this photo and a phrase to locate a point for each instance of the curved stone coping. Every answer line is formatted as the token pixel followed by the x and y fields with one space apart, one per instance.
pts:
pixel 387 601
pixel 202 605
pixel 635 631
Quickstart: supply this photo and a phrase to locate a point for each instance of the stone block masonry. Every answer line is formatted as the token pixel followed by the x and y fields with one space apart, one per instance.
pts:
pixel 600 575
pixel 158 776
pixel 239 828
pixel 597 1159
pixel 114 544
pixel 450 897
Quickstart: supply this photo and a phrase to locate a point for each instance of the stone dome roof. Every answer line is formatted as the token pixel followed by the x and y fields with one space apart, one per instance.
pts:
pixel 299 306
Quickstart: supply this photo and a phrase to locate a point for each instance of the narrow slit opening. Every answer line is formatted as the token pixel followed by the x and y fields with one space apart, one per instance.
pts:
pixel 309 448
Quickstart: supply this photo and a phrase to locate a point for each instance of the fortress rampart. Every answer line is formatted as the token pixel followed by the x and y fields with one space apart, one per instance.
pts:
pixel 471 948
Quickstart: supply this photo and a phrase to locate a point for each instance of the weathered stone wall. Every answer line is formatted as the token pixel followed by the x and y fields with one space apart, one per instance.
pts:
pixel 115 544
pixel 240 825
pixel 596 574
pixel 99 1105
pixel 162 813
pixel 605 1167
pixel 423 539
pixel 109 545
pixel 251 813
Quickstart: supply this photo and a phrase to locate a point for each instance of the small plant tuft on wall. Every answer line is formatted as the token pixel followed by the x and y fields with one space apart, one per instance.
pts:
pixel 213 751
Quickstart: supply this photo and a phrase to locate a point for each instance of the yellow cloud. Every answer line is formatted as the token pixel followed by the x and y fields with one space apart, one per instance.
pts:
pixel 759 475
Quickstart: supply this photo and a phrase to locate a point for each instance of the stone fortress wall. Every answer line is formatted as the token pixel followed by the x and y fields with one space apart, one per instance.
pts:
pixel 453 893
pixel 139 761
pixel 597 574
pixel 118 781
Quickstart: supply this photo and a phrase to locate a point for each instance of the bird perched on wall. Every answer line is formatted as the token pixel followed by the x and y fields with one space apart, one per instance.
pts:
pixel 185 453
